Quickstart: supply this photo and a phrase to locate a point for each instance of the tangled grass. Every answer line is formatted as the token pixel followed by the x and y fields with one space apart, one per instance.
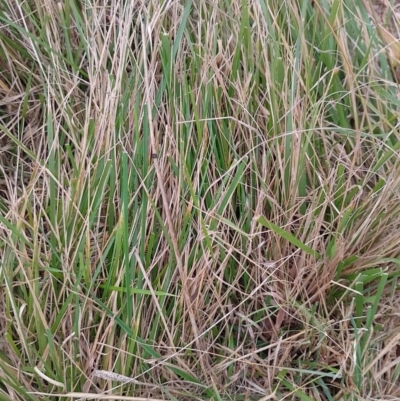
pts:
pixel 198 200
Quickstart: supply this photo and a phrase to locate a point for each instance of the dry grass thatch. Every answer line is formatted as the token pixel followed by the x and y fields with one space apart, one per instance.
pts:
pixel 199 200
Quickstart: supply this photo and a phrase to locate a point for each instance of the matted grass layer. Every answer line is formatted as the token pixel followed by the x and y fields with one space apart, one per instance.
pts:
pixel 198 200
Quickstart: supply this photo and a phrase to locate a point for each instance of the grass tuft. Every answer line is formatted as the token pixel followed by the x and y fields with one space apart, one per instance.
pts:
pixel 199 200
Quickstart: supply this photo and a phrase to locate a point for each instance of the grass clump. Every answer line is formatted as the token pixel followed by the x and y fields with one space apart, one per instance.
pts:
pixel 198 201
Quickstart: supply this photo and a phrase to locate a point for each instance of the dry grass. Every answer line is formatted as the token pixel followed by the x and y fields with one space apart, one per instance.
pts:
pixel 198 200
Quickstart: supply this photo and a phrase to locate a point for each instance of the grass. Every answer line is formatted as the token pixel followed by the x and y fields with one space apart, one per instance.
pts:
pixel 198 200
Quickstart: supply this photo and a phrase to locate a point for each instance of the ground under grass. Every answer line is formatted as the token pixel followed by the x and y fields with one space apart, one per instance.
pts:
pixel 198 200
